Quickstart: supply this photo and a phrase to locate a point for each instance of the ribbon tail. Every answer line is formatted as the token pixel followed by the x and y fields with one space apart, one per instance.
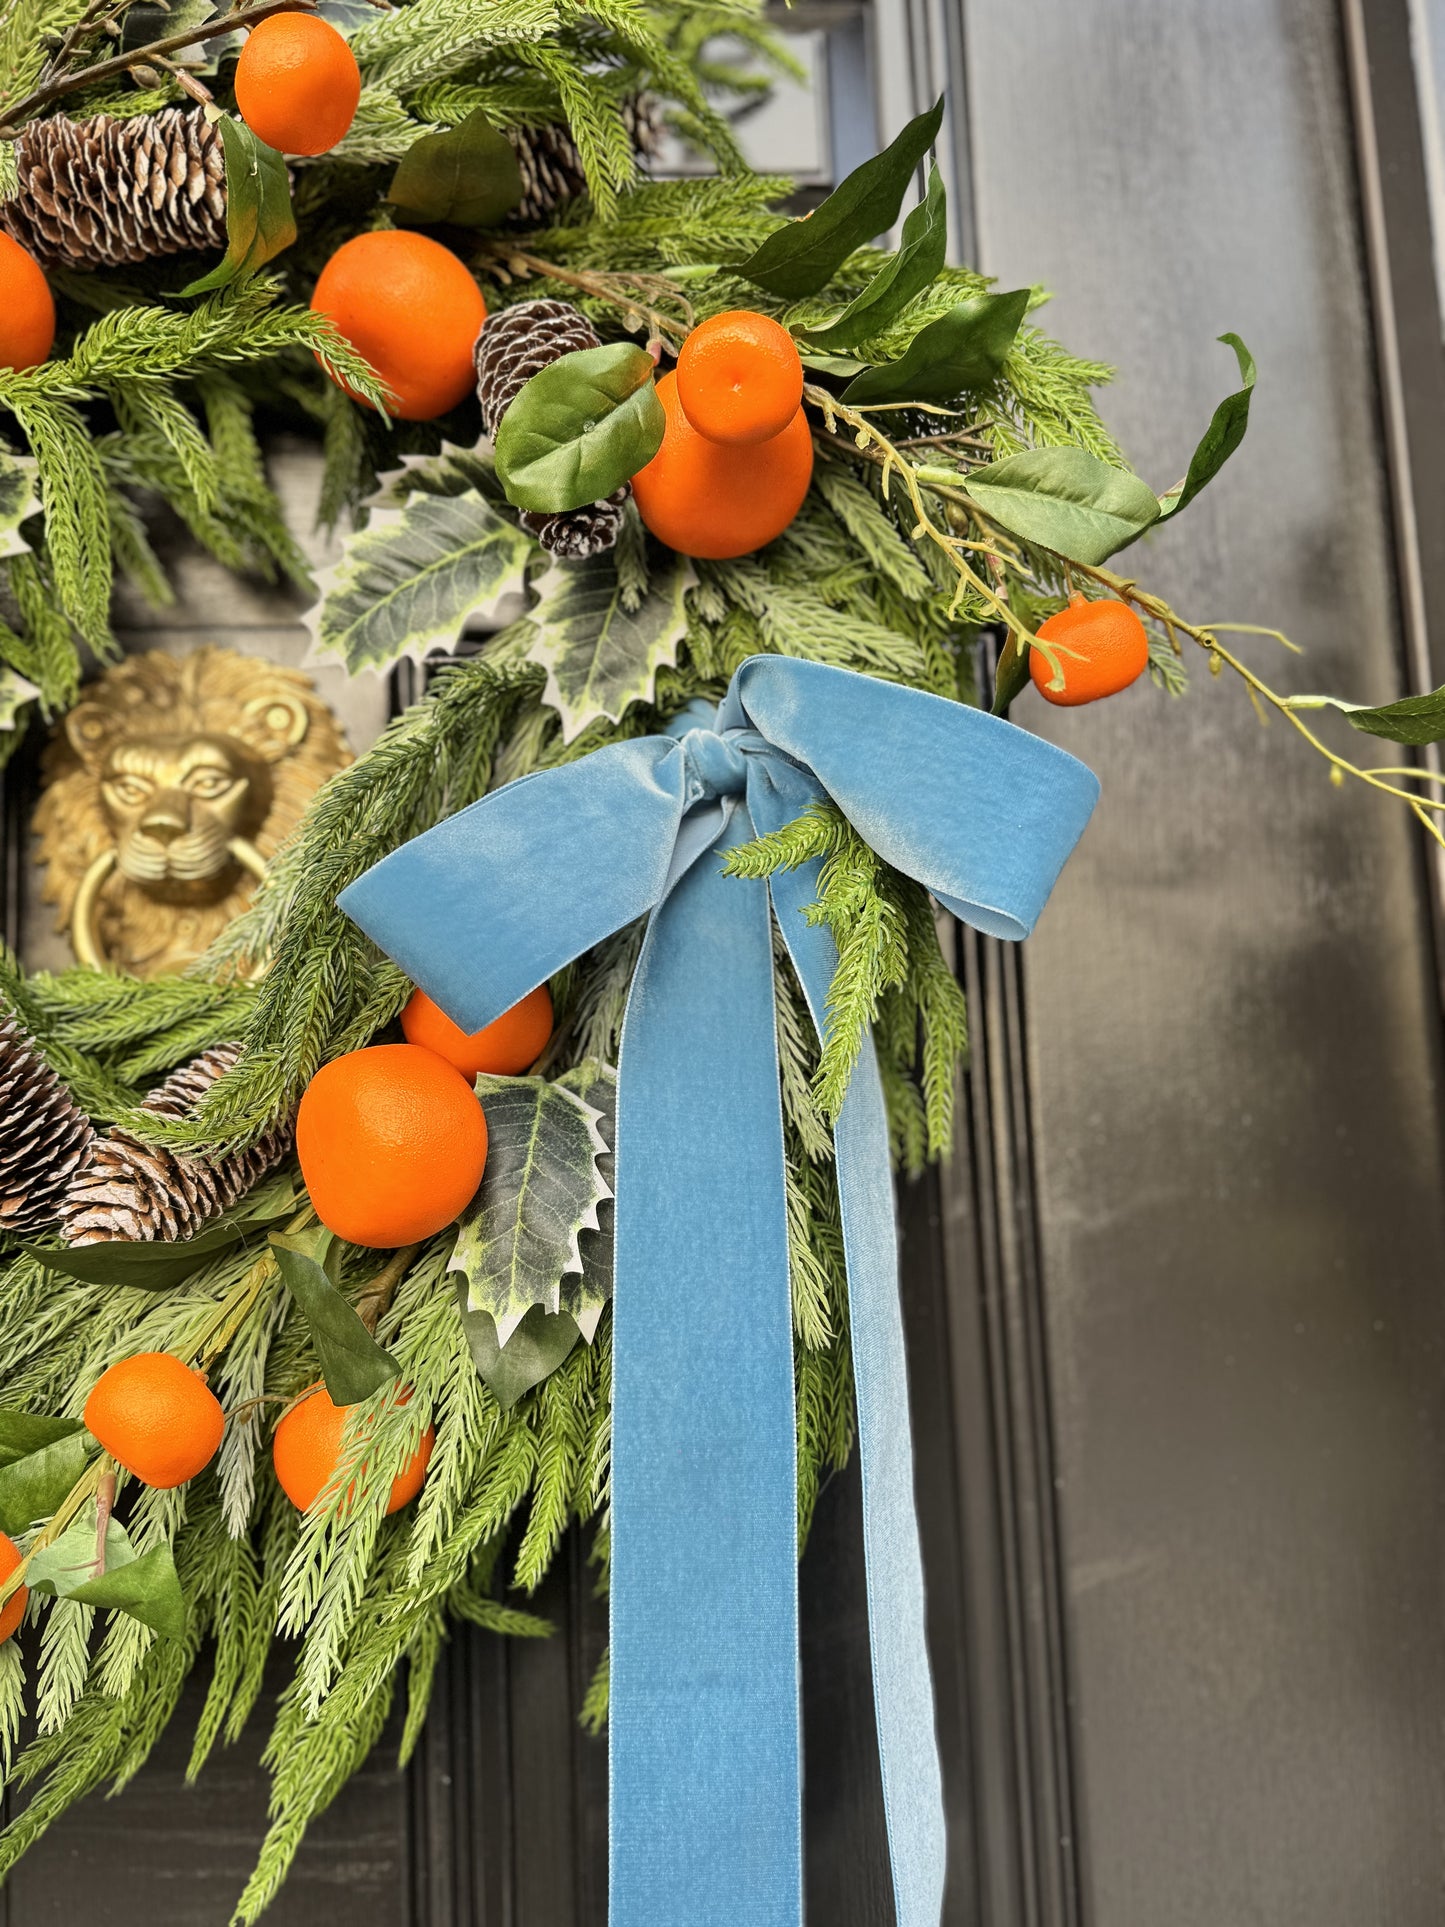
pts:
pixel 704 1728
pixel 902 1681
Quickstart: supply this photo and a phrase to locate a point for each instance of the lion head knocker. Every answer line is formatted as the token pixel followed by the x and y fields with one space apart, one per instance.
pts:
pixel 168 789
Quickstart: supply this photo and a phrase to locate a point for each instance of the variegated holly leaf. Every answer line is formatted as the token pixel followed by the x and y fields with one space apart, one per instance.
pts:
pixel 411 579
pixel 451 471
pixel 18 498
pixel 601 654
pixel 596 1084
pixel 15 693
pixel 542 1189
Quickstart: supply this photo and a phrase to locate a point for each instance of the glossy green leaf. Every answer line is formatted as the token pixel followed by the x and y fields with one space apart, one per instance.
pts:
pixel 535 1349
pixel 22 1433
pixel 146 1586
pixel 1223 435
pixel 1011 678
pixel 352 1363
pixel 803 257
pixel 580 428
pixel 1415 720
pixel 416 575
pixel 1067 500
pixel 162 1264
pixel 32 1486
pixel 913 266
pixel 963 349
pixel 519 1238
pixel 260 221
pixel 601 655
pixel 467 176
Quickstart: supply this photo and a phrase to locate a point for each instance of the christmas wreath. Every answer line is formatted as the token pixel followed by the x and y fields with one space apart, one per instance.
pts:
pixel 606 440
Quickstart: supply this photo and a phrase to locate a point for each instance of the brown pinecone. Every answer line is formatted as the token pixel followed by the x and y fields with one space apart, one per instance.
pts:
pixel 513 346
pixel 551 167
pixel 96 193
pixel 142 1192
pixel 43 1137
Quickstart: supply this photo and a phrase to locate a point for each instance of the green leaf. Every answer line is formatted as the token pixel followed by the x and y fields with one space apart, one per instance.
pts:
pixel 541 1189
pixel 580 428
pixel 1011 678
pixel 468 175
pixel 260 222
pixel 1223 435
pixel 352 1363
pixel 147 1587
pixel 162 1264
pixel 585 1295
pixel 22 1433
pixel 1415 720
pixel 803 257
pixel 600 655
pixel 19 499
pixel 451 471
pixel 412 579
pixel 152 1267
pixel 534 1351
pixel 963 349
pixel 1067 500
pixel 906 273
pixel 32 1486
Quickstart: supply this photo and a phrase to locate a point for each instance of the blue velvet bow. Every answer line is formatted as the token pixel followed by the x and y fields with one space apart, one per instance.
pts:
pixel 705 1712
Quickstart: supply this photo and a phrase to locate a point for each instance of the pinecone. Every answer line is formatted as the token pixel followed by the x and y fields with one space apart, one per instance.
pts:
pixel 96 193
pixel 515 343
pixel 551 167
pixel 45 1137
pixel 142 1192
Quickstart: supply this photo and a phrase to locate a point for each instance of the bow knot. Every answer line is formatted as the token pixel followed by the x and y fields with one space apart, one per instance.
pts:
pixel 706 1810
pixel 714 763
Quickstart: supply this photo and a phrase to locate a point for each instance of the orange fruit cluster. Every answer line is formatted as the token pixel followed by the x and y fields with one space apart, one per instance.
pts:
pixel 737 454
pixel 27 308
pixel 307 1447
pixel 297 83
pixel 157 1418
pixel 1103 647
pixel 413 310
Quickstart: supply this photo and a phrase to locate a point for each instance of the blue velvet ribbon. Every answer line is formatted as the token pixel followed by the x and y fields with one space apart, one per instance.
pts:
pixel 706 1768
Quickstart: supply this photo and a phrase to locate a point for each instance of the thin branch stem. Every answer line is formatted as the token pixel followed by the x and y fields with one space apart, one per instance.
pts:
pixel 372 1304
pixel 52 88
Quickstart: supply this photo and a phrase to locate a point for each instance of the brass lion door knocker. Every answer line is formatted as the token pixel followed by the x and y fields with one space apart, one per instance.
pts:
pixel 168 788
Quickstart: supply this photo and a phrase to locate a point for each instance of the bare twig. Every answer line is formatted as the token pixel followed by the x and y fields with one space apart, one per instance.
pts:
pixel 371 1305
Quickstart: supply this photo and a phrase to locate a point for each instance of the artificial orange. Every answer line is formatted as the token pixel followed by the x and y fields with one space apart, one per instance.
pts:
pixel 297 83
pixel 1107 649
pixel 156 1417
pixel 508 1045
pixel 739 377
pixel 716 500
pixel 392 1142
pixel 412 309
pixel 27 308
pixel 307 1446
pixel 13 1611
